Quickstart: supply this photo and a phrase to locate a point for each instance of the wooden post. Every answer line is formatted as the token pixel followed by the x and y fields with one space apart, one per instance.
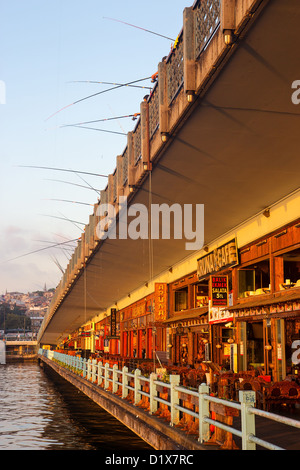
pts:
pixel 137 386
pixel 84 367
pixel 124 382
pixel 247 399
pixel 106 373
pixel 100 379
pixel 115 379
pixel 174 397
pixel 204 433
pixel 89 369
pixel 153 393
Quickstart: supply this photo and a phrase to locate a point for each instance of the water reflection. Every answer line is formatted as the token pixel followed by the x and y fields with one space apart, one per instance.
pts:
pixel 38 413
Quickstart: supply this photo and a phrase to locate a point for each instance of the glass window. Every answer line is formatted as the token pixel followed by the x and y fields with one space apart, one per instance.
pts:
pixel 254 279
pixel 255 349
pixel 201 294
pixel 291 267
pixel 181 299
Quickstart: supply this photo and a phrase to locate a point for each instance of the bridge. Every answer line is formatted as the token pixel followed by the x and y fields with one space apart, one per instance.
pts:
pixel 17 350
pixel 220 129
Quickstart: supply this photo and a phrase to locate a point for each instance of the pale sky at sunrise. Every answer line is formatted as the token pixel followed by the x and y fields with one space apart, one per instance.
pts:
pixel 44 47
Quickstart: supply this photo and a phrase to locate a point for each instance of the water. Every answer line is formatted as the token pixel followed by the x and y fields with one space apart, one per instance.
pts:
pixel 41 411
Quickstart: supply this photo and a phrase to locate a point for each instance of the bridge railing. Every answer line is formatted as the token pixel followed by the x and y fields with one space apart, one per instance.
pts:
pixel 173 401
pixel 207 20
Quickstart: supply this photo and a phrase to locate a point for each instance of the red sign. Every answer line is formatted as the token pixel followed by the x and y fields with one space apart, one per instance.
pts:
pixel 219 291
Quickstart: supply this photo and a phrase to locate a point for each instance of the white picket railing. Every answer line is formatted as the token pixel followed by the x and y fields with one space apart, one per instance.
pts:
pixel 99 373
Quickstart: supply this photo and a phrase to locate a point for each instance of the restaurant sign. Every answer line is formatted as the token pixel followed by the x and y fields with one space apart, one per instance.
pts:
pixel 218 314
pixel 161 301
pixel 113 324
pixel 224 256
pixel 219 291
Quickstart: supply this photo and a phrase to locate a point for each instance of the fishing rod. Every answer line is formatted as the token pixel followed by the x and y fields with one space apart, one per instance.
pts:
pixel 96 94
pixel 67 239
pixel 98 192
pixel 134 117
pixel 74 222
pixel 111 83
pixel 54 243
pixel 68 182
pixel 138 27
pixel 55 260
pixel 37 251
pixel 63 218
pixel 63 169
pixel 73 202
pixel 95 129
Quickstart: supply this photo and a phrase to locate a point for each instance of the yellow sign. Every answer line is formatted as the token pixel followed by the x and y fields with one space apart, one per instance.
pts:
pixel 161 301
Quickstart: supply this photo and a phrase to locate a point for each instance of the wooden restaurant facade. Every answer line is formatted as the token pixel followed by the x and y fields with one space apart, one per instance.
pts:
pixel 239 308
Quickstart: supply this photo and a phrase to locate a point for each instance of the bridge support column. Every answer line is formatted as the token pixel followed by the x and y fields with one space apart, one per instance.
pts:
pixel 145 139
pixel 228 22
pixel 189 62
pixel 120 187
pixel 163 99
pixel 131 171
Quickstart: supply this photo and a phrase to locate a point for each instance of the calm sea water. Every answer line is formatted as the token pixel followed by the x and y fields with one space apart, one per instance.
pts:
pixel 39 411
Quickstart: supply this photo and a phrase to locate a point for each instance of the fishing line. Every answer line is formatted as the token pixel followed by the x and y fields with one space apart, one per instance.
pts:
pixel 111 83
pixel 98 192
pixel 63 218
pixel 37 251
pixel 66 200
pixel 96 94
pixel 138 27
pixel 63 169
pixel 95 129
pixel 134 117
pixel 68 182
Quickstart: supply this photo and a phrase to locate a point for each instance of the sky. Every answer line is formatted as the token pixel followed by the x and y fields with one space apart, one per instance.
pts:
pixel 49 52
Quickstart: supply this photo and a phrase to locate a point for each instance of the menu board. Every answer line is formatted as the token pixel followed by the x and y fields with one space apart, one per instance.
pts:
pixel 219 291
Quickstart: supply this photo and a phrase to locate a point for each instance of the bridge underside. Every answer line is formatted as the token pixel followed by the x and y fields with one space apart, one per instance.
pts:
pixel 237 153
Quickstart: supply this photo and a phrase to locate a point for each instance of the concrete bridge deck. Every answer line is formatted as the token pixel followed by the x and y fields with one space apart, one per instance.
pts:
pixel 151 429
pixel 219 129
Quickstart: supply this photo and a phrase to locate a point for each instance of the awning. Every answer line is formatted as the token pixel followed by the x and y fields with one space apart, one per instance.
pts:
pixel 188 315
pixel 275 299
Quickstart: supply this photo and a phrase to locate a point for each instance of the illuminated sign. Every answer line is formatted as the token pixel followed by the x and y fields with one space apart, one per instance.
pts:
pixel 161 301
pixel 222 257
pixel 219 291
pixel 113 324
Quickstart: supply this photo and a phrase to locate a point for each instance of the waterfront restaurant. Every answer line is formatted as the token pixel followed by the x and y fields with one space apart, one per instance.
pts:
pixel 266 308
pixel 187 323
pixel 141 325
pixel 215 270
pixel 239 310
